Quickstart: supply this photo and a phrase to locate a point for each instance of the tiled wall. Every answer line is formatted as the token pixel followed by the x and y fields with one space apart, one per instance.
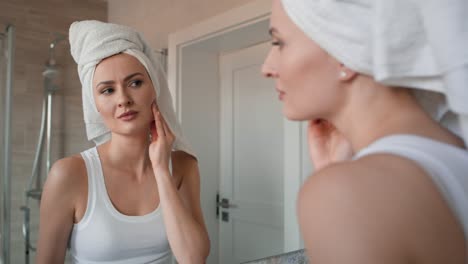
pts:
pixel 36 22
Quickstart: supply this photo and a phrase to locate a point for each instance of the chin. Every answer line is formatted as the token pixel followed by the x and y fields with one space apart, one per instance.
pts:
pixel 133 133
pixel 295 115
pixel 136 128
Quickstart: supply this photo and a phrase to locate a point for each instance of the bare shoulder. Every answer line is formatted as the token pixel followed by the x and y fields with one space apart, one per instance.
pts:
pixel 67 176
pixel 381 208
pixel 375 171
pixel 68 170
pixel 181 159
pixel 184 167
pixel 373 176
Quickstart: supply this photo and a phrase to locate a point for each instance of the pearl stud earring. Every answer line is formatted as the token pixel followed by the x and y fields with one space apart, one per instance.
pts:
pixel 343 74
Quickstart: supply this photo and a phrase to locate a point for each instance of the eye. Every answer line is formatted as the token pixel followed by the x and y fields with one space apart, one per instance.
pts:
pixel 136 83
pixel 108 90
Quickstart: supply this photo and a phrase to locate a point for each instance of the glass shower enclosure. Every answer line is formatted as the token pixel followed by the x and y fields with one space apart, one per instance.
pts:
pixel 7 53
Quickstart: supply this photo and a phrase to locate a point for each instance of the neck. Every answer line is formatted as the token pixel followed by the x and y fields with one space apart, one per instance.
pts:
pixel 373 111
pixel 129 153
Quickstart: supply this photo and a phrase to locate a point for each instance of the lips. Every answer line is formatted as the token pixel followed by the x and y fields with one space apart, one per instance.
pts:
pixel 128 115
pixel 280 94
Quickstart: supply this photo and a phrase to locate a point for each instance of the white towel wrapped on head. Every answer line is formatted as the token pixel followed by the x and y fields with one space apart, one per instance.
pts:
pixel 92 41
pixel 420 44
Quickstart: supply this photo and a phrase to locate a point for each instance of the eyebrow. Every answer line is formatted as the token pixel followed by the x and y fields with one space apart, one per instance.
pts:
pixel 126 79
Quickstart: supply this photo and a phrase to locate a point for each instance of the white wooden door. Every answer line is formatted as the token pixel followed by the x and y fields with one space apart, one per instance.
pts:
pixel 252 159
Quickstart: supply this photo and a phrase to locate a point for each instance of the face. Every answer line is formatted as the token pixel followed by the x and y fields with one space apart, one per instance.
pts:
pixel 307 78
pixel 123 93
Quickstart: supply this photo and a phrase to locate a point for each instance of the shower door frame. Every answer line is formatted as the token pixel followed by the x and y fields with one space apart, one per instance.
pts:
pixel 6 162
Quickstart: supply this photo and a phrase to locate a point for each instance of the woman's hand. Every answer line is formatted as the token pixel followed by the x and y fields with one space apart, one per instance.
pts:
pixel 326 144
pixel 162 139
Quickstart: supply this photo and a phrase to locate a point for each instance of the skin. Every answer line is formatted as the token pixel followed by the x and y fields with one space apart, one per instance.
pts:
pixel 380 208
pixel 136 171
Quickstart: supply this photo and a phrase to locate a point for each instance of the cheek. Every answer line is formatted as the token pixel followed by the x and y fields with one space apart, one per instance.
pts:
pixel 313 68
pixel 301 77
pixel 151 98
pixel 146 99
pixel 106 110
pixel 147 92
pixel 103 105
pixel 309 83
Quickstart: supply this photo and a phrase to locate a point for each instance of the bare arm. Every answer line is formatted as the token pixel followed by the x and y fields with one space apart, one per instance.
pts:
pixel 183 217
pixel 57 211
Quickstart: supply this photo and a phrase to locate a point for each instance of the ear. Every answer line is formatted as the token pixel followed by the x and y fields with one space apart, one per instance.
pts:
pixel 345 73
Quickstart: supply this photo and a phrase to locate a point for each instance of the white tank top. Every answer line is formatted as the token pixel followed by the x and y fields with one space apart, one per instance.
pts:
pixel 447 166
pixel 104 235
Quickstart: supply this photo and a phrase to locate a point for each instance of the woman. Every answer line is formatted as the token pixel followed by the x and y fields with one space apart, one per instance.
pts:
pixel 120 202
pixel 390 183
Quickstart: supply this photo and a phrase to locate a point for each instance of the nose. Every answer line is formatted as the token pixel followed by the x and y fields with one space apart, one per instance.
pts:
pixel 268 67
pixel 126 103
pixel 124 100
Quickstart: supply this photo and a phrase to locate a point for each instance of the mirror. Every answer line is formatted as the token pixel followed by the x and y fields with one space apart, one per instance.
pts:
pixel 214 59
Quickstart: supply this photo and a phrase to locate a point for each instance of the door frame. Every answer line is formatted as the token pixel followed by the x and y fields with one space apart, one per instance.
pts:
pixel 201 44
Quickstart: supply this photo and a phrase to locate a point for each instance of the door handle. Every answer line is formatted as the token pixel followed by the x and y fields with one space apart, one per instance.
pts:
pixel 225 204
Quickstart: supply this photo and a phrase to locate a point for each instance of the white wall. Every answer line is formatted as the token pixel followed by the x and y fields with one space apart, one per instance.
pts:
pixel 156 19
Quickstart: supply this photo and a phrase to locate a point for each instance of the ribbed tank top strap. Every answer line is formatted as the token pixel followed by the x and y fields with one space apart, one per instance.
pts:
pixel 92 169
pixel 102 198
